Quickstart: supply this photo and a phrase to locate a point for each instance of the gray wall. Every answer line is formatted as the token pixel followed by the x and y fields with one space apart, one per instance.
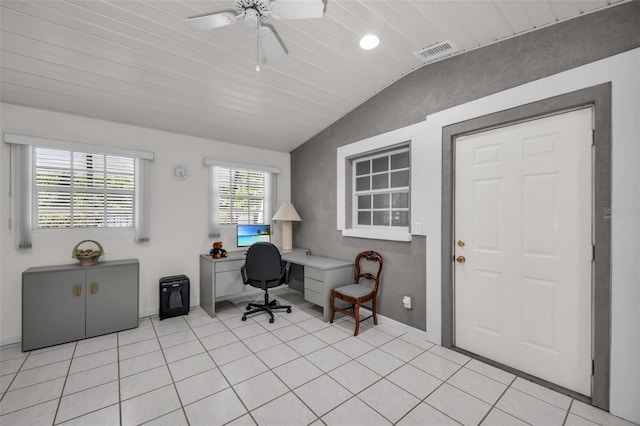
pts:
pixel 429 89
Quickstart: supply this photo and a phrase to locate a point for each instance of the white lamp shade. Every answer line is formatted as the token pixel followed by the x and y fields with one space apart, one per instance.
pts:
pixel 287 212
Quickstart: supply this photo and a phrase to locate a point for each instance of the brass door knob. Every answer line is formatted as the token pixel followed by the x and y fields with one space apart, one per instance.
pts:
pixel 461 259
pixel 461 243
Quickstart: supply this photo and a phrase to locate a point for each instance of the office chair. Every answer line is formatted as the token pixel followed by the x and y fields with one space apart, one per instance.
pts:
pixel 264 268
pixel 358 293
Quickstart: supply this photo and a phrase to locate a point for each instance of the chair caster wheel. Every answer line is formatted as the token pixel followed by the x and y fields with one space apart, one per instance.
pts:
pixel 244 318
pixel 248 308
pixel 288 310
pixel 271 320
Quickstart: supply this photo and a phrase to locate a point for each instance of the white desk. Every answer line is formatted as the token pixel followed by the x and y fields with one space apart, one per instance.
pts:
pixel 321 275
pixel 220 278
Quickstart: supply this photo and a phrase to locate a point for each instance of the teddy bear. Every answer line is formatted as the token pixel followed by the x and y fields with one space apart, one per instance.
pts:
pixel 217 251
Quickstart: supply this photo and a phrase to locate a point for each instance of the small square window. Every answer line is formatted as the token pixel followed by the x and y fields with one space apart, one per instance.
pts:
pixel 381 201
pixel 380 218
pixel 364 218
pixel 362 183
pixel 364 202
pixel 363 168
pixel 380 164
pixel 380 181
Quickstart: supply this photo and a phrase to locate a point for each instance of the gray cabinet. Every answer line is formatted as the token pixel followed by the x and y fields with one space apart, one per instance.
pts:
pixel 71 302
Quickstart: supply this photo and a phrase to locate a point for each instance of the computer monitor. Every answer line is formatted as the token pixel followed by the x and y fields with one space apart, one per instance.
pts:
pixel 249 234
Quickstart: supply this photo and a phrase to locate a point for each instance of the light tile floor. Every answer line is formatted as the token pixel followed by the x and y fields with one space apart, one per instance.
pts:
pixel 299 370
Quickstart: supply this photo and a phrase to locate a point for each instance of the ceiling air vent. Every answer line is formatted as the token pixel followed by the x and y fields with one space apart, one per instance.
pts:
pixel 437 51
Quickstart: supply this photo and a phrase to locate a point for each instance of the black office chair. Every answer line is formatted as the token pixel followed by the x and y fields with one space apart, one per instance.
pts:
pixel 264 268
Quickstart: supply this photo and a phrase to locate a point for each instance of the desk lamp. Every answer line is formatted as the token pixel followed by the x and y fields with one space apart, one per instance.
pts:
pixel 287 214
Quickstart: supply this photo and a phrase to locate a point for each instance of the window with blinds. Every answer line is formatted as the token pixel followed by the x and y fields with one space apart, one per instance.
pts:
pixel 381 190
pixel 240 195
pixel 80 190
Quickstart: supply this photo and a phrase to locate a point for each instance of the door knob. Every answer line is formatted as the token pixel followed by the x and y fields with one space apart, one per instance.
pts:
pixel 461 243
pixel 461 259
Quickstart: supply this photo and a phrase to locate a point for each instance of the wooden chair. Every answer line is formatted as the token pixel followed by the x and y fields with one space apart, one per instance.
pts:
pixel 358 293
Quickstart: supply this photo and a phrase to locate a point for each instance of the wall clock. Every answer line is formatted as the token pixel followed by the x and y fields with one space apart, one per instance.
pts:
pixel 179 172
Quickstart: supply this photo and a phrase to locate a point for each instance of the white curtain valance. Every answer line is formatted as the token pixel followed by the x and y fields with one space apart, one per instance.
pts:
pixel 13 138
pixel 232 165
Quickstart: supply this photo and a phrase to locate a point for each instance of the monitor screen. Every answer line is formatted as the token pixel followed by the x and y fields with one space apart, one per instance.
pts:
pixel 249 234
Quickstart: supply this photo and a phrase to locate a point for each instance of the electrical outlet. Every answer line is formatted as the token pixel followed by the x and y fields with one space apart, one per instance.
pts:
pixel 406 302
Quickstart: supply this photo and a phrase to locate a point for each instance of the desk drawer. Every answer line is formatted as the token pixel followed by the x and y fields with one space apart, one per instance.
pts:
pixel 229 282
pixel 313 297
pixel 229 265
pixel 314 273
pixel 313 285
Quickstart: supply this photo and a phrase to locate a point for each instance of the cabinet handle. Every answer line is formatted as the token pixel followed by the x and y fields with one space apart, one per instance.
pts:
pixel 77 290
pixel 94 287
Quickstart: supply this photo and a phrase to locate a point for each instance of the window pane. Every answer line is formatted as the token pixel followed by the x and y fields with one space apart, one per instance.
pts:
pixel 399 218
pixel 364 202
pixel 364 218
pixel 380 164
pixel 400 161
pixel 380 181
pixel 362 168
pixel 362 183
pixel 400 200
pixel 381 218
pixel 400 179
pixel 381 201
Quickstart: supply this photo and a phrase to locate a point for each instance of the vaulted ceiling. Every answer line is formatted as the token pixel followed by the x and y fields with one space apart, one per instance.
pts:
pixel 137 62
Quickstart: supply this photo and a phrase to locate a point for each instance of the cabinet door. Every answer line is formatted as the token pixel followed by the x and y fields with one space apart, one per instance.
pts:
pixel 53 308
pixel 112 299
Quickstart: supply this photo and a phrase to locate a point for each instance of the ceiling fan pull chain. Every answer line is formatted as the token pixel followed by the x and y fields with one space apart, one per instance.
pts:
pixel 258 46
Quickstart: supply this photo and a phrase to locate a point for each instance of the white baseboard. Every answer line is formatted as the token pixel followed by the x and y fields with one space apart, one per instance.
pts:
pixel 398 325
pixel 10 340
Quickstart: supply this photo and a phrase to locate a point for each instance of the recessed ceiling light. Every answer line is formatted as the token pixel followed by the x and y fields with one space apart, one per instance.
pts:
pixel 369 42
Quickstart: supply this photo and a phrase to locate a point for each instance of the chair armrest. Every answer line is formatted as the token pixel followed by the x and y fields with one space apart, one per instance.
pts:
pixel 285 278
pixel 243 273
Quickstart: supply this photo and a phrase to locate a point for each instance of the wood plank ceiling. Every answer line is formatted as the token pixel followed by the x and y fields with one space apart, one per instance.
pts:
pixel 137 62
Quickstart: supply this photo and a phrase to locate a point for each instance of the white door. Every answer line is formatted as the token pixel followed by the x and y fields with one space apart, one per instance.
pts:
pixel 523 226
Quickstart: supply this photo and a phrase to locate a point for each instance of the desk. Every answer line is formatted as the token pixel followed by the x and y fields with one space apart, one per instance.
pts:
pixel 220 278
pixel 321 275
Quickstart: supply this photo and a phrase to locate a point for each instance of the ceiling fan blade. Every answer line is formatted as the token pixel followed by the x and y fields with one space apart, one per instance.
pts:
pixel 272 48
pixel 212 20
pixel 296 9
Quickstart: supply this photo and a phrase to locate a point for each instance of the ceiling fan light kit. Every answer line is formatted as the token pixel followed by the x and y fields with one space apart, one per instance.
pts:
pixel 255 13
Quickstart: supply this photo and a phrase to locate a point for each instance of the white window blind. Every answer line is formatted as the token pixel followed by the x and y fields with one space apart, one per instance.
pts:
pixel 241 195
pixel 81 189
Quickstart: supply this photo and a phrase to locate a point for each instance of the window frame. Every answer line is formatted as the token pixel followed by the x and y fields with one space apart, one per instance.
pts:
pixel 373 192
pixel 271 175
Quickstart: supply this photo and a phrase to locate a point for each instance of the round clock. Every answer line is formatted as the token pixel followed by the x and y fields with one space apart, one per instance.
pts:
pixel 179 172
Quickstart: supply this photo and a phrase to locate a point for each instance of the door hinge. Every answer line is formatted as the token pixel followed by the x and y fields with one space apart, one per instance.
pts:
pixel 593 137
pixel 593 252
pixel 593 367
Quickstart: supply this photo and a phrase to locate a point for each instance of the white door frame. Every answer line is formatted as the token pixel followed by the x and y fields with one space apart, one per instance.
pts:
pixel 600 98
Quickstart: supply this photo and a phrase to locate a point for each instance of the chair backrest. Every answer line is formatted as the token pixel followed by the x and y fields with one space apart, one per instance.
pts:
pixel 263 266
pixel 370 256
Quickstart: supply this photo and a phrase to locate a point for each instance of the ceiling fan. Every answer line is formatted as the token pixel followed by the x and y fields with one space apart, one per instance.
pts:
pixel 254 13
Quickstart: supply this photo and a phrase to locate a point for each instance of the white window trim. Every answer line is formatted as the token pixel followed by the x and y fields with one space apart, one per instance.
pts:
pixel 360 148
